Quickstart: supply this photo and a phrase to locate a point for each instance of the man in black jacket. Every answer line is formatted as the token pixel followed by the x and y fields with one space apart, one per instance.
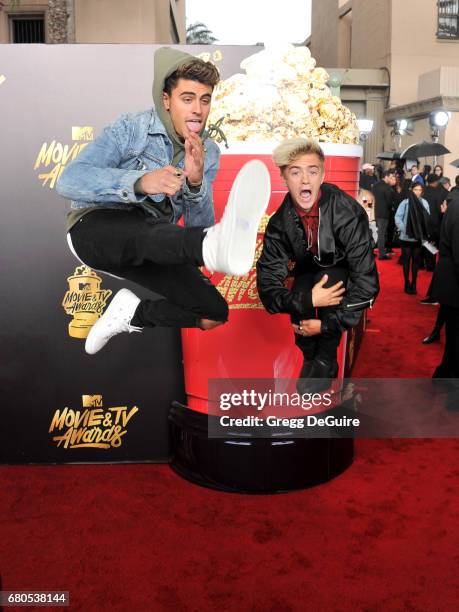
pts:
pixel 384 208
pixel 445 290
pixel 326 234
pixel 435 195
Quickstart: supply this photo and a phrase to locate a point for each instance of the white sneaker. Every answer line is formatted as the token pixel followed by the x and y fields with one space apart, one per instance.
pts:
pixel 116 319
pixel 229 246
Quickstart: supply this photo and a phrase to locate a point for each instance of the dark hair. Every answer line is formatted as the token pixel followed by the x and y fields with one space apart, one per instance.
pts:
pixel 456 180
pixel 388 172
pixel 427 169
pixel 416 184
pixel 194 70
pixel 441 169
pixel 433 178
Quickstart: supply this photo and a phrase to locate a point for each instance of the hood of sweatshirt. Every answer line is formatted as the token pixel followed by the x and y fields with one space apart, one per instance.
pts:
pixel 166 61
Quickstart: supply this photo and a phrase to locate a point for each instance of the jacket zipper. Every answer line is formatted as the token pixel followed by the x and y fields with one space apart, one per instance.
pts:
pixel 318 239
pixel 361 304
pixel 317 258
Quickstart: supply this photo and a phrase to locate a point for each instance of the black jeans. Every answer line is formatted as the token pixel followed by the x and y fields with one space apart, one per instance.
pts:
pixel 324 345
pixel 411 256
pixel 382 225
pixel 161 257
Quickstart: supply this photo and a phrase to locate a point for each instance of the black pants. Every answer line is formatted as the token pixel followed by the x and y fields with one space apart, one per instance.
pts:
pixel 411 257
pixel 390 232
pixel 161 257
pixel 449 367
pixel 440 320
pixel 382 225
pixel 430 260
pixel 324 345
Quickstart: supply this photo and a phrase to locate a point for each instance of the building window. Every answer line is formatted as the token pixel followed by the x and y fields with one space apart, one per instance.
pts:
pixel 27 28
pixel 448 19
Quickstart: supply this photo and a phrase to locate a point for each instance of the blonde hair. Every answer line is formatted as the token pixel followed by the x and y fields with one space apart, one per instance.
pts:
pixel 289 150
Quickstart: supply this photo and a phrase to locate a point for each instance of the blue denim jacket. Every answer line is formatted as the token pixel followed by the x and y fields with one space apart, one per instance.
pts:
pixel 105 171
pixel 401 218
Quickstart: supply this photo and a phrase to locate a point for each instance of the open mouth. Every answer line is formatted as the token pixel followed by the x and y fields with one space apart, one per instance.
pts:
pixel 194 125
pixel 306 195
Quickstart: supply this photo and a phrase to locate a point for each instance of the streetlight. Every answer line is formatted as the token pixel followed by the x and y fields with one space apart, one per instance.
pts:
pixel 401 127
pixel 438 121
pixel 365 126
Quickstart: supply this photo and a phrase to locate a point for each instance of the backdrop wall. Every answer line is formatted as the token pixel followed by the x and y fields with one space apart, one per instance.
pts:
pixel 57 403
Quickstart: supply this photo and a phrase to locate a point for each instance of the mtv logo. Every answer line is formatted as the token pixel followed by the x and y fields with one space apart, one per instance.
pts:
pixel 83 286
pixel 82 133
pixel 92 401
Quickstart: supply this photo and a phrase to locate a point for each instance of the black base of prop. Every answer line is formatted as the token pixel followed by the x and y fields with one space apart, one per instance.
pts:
pixel 254 465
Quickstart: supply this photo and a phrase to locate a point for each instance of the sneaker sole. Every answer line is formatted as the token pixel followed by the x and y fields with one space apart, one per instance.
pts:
pixel 247 202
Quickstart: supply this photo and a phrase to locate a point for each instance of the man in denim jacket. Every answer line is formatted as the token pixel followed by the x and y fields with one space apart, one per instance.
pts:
pixel 130 187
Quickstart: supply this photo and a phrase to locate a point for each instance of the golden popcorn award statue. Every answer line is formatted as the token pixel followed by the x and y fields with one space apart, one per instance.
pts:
pixel 84 301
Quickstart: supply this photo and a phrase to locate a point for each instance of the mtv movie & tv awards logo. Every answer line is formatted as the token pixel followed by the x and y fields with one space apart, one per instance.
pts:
pixel 53 157
pixel 84 301
pixel 91 426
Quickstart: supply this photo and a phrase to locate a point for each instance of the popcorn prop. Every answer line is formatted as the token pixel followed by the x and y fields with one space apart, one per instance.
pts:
pixel 282 95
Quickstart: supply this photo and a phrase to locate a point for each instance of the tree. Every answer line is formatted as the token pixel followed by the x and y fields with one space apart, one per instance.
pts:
pixel 199 34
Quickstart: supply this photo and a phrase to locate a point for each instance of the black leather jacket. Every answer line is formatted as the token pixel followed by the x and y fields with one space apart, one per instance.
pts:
pixel 344 236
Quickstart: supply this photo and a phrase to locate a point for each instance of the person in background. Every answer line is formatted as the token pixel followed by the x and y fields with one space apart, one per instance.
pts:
pixel 379 171
pixel 444 184
pixel 451 194
pixel 367 177
pixel 426 171
pixel 435 195
pixel 367 200
pixel 416 177
pixel 445 290
pixel 455 189
pixel 400 193
pixel 438 170
pixel 400 189
pixel 412 220
pixel 384 207
pixel 434 336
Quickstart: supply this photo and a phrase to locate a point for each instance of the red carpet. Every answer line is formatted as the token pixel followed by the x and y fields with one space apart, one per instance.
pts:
pixel 382 537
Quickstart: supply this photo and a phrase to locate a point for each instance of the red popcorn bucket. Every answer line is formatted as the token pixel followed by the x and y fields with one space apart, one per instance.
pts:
pixel 254 345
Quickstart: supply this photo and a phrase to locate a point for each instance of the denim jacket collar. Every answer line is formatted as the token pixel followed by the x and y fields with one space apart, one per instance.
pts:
pixel 156 126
